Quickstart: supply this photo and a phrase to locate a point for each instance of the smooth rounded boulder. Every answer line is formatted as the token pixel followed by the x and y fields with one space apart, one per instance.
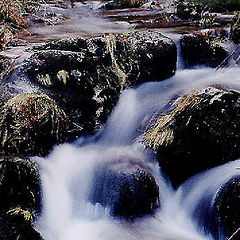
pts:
pixel 127 192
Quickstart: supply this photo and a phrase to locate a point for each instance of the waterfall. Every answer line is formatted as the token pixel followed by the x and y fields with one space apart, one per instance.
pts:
pixel 68 171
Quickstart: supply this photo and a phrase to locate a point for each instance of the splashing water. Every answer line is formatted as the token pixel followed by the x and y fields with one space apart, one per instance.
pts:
pixel 67 172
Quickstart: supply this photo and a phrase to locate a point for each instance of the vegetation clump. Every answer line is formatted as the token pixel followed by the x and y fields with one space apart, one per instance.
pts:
pixel 30 124
pixel 14 16
pixel 6 65
pixel 189 10
pixel 161 132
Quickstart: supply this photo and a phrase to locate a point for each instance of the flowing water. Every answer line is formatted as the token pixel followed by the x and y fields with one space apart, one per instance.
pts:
pixel 67 172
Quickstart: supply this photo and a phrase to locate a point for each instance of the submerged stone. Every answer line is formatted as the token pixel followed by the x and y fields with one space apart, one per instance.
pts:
pixel 127 193
pixel 201 132
pixel 226 206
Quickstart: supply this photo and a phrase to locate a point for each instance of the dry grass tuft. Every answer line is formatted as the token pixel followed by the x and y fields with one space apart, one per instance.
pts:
pixel 161 132
pixel 19 211
pixel 28 122
pixel 14 16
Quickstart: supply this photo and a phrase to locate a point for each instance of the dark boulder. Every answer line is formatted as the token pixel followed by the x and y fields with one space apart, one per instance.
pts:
pixel 226 206
pixel 201 132
pixel 20 199
pixel 128 192
pixel 15 225
pixel 116 60
pixel 199 50
pixel 189 10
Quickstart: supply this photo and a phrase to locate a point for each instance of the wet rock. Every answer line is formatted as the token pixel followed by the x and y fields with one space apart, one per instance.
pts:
pixel 189 10
pixel 118 4
pixel 127 192
pixel 20 184
pixel 85 76
pixel 226 206
pixel 20 199
pixel 30 124
pixel 16 226
pixel 115 59
pixel 235 28
pixel 199 133
pixel 198 50
pixel 5 65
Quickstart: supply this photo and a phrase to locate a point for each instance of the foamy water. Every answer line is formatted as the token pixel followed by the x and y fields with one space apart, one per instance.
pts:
pixel 67 172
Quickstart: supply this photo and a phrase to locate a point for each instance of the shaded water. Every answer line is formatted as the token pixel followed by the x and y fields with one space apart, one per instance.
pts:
pixel 185 213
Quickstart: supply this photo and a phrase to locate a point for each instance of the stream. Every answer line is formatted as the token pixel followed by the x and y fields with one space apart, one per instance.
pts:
pixel 67 173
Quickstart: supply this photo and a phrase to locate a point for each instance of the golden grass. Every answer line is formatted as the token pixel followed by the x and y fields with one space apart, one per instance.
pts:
pixel 27 114
pixel 19 211
pixel 161 132
pixel 111 48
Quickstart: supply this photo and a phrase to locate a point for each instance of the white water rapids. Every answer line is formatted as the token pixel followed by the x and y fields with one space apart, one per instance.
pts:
pixel 68 170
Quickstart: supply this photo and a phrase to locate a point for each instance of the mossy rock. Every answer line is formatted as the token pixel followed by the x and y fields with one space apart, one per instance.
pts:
pixel 201 132
pixel 198 50
pixel 226 206
pixel 5 65
pixel 129 192
pixel 15 226
pixel 30 124
pixel 20 196
pixel 235 28
pixel 19 184
pixel 85 76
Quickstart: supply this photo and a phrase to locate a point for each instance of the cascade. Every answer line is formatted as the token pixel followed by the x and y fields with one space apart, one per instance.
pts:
pixel 70 174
